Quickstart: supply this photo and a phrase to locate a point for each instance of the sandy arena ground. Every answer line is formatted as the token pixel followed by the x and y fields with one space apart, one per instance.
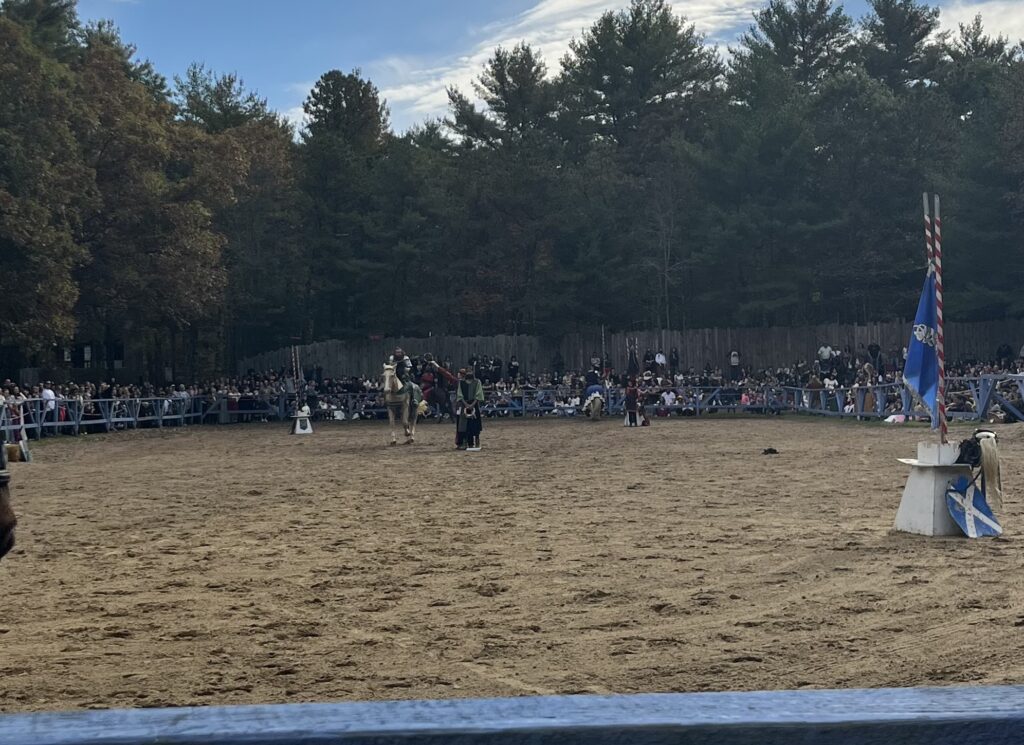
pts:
pixel 240 565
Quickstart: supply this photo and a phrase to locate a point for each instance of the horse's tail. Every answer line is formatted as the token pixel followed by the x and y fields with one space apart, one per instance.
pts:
pixel 990 471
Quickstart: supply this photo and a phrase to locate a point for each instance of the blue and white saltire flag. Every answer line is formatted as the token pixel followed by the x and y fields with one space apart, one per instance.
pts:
pixel 968 508
pixel 921 372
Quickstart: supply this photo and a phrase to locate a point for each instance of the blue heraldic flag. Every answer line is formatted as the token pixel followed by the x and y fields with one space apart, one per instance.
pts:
pixel 922 369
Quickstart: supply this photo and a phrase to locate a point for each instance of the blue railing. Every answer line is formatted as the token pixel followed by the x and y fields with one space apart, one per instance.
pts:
pixel 38 417
pixel 967 398
pixel 909 716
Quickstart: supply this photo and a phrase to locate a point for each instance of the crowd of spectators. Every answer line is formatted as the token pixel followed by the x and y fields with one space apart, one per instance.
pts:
pixel 854 379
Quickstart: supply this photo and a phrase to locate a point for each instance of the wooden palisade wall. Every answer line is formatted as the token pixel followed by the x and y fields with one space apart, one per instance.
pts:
pixel 761 347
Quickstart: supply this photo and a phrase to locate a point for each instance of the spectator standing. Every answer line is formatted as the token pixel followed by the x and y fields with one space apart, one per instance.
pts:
pixel 513 369
pixel 673 362
pixel 661 362
pixel 875 355
pixel 824 357
pixel 483 369
pixel 49 404
pixel 812 396
pixel 895 359
pixel 734 365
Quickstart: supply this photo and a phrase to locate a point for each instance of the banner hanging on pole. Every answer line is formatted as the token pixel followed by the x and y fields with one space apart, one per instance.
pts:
pixel 923 371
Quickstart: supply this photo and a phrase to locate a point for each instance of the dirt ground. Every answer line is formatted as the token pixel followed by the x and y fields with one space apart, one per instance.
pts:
pixel 241 565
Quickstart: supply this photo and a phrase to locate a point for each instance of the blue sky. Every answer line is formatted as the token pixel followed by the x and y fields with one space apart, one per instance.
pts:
pixel 410 48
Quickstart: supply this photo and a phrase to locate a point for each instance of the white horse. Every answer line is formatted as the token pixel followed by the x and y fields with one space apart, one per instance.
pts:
pixel 594 406
pixel 399 401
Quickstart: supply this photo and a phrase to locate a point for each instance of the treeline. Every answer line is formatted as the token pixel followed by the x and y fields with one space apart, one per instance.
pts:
pixel 650 182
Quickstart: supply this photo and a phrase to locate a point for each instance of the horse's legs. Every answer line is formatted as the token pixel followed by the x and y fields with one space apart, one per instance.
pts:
pixel 391 421
pixel 408 410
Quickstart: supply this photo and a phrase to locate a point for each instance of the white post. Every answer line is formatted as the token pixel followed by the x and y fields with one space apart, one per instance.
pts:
pixel 923 507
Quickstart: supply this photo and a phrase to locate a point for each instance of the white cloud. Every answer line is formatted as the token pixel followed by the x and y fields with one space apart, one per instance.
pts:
pixel 296 116
pixel 416 89
pixel 301 88
pixel 1004 17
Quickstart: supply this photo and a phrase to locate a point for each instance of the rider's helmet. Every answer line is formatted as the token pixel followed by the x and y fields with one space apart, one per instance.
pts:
pixel 399 353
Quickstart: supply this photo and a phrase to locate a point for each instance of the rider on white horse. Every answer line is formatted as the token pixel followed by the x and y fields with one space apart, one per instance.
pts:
pixel 403 366
pixel 405 375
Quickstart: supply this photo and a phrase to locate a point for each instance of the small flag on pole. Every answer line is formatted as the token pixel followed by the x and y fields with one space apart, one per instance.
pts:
pixel 921 372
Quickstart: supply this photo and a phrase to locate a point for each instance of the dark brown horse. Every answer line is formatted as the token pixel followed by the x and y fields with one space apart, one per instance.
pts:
pixel 439 397
pixel 7 519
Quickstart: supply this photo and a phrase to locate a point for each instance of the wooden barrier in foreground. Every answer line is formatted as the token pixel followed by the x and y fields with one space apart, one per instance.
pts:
pixel 912 716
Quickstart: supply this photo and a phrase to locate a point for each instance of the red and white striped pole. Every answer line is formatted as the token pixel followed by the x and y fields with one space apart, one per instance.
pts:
pixel 298 377
pixel 940 340
pixel 928 232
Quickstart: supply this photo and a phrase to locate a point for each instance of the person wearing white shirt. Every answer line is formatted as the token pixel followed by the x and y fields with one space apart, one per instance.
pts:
pixel 668 398
pixel 49 397
pixel 49 404
pixel 825 355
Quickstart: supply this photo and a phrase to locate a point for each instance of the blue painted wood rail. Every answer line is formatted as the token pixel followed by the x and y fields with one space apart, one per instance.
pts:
pixel 914 716
pixel 890 398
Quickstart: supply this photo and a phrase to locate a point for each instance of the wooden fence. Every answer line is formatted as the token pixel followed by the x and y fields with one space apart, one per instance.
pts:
pixel 759 347
pixel 914 716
